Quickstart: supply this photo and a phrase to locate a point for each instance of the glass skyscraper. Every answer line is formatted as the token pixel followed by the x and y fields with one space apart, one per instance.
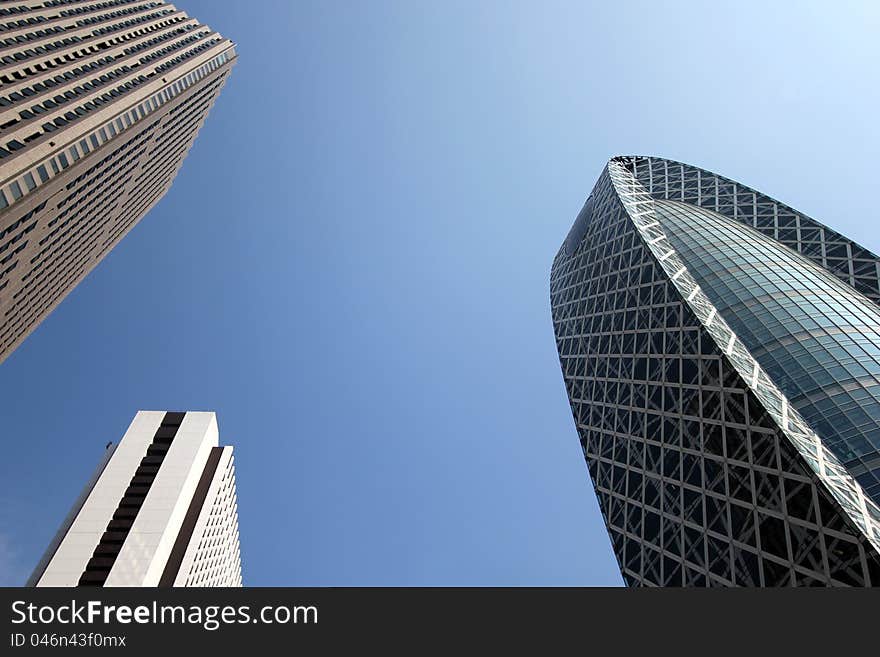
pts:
pixel 721 354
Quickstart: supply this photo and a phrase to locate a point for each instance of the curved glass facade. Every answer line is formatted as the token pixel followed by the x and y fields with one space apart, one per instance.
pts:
pixel 721 355
pixel 815 336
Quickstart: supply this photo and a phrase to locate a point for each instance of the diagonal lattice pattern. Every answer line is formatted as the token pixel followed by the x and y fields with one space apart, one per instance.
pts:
pixel 705 472
pixel 839 413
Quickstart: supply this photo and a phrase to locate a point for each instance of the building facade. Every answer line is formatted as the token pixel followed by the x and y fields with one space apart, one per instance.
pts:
pixel 160 510
pixel 99 104
pixel 721 355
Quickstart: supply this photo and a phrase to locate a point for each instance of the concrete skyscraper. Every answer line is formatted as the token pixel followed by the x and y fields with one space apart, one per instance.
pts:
pixel 99 104
pixel 160 510
pixel 721 354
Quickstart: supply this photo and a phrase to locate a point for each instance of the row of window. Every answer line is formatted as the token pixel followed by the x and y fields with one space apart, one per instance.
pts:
pixel 29 36
pixel 128 217
pixel 162 52
pixel 141 32
pixel 121 150
pixel 178 134
pixel 72 74
pixel 40 50
pixel 119 179
pixel 159 39
pixel 82 110
pixel 171 63
pixel 95 201
pixel 14 240
pixel 70 94
pixel 41 67
pixel 39 87
pixel 11 77
pixel 133 142
pixel 164 158
pixel 67 41
pixel 180 125
pixel 109 29
pixel 39 175
pixel 115 14
pixel 58 261
pixel 35 68
pixel 9 11
pixel 14 225
pixel 97 101
pixel 217 560
pixel 11 332
pixel 13 265
pixel 69 264
pixel 96 183
pixel 87 9
pixel 22 22
pixel 88 106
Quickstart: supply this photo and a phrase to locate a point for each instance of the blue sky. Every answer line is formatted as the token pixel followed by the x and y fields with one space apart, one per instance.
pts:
pixel 352 268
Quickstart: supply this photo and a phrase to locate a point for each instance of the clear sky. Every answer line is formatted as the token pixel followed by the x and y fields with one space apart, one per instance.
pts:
pixel 352 268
